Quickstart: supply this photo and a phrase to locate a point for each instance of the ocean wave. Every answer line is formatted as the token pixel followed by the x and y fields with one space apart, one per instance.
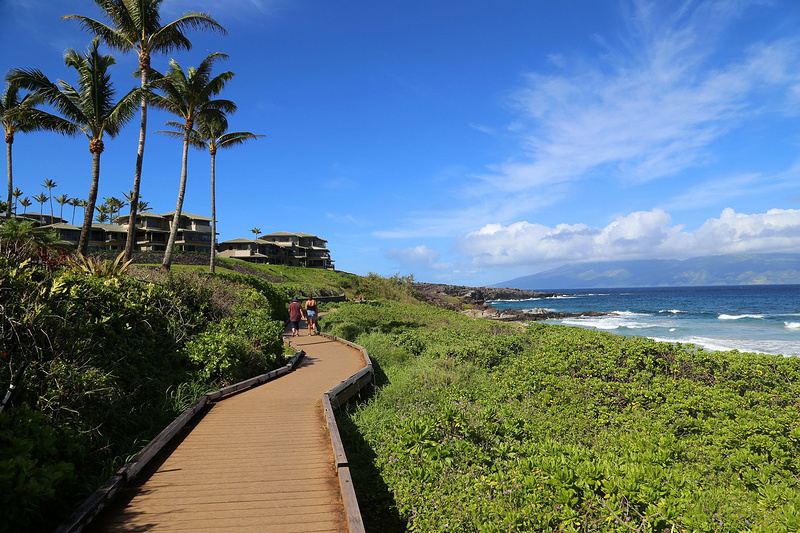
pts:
pixel 792 325
pixel 611 321
pixel 629 314
pixel 673 311
pixel 490 302
pixel 738 317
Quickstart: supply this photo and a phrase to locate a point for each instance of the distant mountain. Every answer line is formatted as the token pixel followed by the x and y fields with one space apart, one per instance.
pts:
pixel 738 269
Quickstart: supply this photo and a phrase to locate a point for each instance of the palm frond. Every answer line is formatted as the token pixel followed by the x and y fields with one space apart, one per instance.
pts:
pixel 170 37
pixel 115 39
pixel 236 138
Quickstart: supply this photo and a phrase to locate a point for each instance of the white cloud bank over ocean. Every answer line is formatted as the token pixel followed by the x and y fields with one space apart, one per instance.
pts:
pixel 639 235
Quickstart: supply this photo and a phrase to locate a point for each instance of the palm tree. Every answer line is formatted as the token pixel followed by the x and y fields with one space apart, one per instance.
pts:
pixel 16 114
pixel 61 200
pixel 16 193
pixel 23 239
pixel 188 95
pixel 136 25
pixel 82 204
pixel 256 231
pixel 128 195
pixel 50 185
pixel 115 205
pixel 73 202
pixel 103 212
pixel 25 203
pixel 89 109
pixel 41 198
pixel 213 134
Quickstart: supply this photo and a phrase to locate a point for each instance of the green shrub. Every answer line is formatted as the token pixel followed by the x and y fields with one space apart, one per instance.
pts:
pixel 32 472
pixel 107 369
pixel 237 348
pixel 479 427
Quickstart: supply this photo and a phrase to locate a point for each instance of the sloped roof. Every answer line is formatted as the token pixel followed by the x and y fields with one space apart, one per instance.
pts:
pixel 109 227
pixel 187 215
pixel 238 241
pixel 63 225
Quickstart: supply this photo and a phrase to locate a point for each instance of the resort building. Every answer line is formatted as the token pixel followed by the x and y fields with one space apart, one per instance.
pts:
pixel 152 232
pixel 194 235
pixel 282 248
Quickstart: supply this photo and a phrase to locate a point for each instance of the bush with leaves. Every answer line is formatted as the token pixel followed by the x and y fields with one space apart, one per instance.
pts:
pixel 107 367
pixel 480 426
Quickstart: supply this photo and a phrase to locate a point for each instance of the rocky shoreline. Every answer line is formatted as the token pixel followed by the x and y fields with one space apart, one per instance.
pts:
pixel 472 301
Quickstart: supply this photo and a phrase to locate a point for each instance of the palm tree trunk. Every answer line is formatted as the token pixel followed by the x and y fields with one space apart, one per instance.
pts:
pixel 10 176
pixel 173 230
pixel 213 212
pixel 137 177
pixel 86 228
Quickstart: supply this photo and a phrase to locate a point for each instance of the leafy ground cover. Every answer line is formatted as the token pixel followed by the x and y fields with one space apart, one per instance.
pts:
pixel 480 426
pixel 109 358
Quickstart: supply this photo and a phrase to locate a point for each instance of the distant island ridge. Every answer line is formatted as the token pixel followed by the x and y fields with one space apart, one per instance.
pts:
pixel 733 269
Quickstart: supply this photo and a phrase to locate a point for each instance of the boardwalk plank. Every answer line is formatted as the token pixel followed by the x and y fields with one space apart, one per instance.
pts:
pixel 260 460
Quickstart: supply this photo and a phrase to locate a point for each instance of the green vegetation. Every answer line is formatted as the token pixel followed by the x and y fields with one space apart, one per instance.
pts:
pixel 476 426
pixel 110 356
pixel 483 427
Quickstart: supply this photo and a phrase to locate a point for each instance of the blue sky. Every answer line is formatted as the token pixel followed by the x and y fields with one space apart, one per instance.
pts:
pixel 468 142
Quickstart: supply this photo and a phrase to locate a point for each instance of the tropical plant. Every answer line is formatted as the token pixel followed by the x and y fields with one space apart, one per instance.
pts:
pixel 189 95
pixel 50 185
pixel 82 204
pixel 213 135
pixel 41 198
pixel 137 26
pixel 95 266
pixel 102 213
pixel 87 109
pixel 23 239
pixel 61 200
pixel 25 203
pixel 16 115
pixel 256 232
pixel 115 205
pixel 16 193
pixel 73 203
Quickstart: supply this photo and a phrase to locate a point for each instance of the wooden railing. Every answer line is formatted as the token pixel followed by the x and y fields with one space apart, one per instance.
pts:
pixel 331 400
pixel 103 496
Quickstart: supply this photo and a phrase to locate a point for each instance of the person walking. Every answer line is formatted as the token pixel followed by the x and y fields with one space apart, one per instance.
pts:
pixel 311 314
pixel 295 314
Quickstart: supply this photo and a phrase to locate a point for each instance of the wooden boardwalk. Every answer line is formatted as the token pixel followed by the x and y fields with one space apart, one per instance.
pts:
pixel 259 461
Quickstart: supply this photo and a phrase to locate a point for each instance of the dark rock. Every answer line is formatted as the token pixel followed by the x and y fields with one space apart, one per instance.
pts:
pixel 472 300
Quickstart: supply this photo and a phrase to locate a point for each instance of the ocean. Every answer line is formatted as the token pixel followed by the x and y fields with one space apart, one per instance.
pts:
pixel 748 318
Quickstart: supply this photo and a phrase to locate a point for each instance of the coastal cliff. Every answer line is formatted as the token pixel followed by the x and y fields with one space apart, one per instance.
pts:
pixel 472 301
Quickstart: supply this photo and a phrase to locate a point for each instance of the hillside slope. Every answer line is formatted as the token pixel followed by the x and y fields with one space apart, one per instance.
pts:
pixel 739 269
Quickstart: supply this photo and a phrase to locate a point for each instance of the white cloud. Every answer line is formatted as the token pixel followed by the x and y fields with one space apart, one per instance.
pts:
pixel 654 104
pixel 417 255
pixel 639 235
pixel 649 109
